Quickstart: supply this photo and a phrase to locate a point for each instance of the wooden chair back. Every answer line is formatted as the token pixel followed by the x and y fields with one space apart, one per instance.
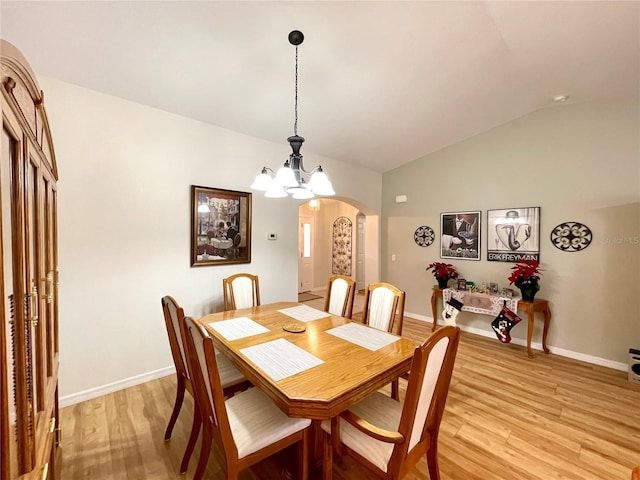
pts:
pixel 241 290
pixel 390 454
pixel 203 368
pixel 635 474
pixel 217 427
pixel 384 307
pixel 340 294
pixel 173 319
pixel 424 402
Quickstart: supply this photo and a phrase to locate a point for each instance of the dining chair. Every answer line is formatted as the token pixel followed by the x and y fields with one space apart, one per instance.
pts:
pixel 231 379
pixel 389 437
pixel 383 304
pixel 235 247
pixel 247 427
pixel 340 294
pixel 241 290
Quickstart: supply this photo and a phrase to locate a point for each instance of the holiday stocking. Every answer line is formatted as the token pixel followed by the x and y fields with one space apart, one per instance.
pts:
pixel 503 324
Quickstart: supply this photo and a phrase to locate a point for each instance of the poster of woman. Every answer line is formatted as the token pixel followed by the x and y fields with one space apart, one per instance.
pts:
pixel 513 234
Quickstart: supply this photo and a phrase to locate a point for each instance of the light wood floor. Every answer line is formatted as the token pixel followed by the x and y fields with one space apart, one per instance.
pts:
pixel 507 417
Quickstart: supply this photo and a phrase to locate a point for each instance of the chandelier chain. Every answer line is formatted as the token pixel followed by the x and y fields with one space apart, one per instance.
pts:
pixel 295 123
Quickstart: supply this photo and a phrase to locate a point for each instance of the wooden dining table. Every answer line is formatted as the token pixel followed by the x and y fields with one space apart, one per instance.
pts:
pixel 346 372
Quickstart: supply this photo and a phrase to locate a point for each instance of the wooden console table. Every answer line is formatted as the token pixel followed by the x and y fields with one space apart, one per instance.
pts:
pixel 437 293
pixel 538 305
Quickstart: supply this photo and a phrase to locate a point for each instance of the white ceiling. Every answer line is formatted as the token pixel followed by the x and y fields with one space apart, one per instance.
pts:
pixel 381 83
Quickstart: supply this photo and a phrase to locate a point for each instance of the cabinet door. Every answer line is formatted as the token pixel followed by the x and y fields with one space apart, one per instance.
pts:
pixel 45 276
pixel 8 345
pixel 17 395
pixel 39 268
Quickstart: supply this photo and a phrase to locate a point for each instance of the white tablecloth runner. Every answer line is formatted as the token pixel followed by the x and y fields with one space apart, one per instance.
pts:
pixel 482 303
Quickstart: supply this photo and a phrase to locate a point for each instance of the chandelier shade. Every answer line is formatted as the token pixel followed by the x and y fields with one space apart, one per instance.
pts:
pixel 290 178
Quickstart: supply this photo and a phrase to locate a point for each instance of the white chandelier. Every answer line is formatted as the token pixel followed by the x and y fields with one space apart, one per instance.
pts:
pixel 290 178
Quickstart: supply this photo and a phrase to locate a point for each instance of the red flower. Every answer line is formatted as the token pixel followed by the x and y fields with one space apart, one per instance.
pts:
pixel 443 270
pixel 525 271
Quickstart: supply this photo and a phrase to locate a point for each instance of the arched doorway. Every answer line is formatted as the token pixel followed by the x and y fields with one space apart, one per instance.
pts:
pixel 365 253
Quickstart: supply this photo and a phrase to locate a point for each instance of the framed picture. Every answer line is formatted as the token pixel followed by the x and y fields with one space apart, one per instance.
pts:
pixel 220 226
pixel 493 287
pixel 460 235
pixel 508 292
pixel 462 284
pixel 513 234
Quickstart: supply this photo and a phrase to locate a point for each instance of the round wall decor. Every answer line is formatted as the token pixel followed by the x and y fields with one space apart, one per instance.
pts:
pixel 571 236
pixel 424 236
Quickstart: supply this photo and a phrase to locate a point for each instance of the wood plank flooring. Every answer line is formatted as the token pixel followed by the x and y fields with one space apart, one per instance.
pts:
pixel 507 417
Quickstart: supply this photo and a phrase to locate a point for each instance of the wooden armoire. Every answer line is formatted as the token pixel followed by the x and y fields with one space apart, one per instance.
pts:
pixel 28 262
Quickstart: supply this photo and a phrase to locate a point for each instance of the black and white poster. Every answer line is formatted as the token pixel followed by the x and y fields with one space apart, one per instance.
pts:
pixel 460 235
pixel 513 234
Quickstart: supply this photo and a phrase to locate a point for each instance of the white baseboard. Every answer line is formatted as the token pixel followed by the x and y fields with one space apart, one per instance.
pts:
pixel 96 392
pixel 603 362
pixel 163 372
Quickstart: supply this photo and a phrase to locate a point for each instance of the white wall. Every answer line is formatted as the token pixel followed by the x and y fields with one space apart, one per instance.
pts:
pixel 124 229
pixel 323 218
pixel 578 163
pixel 329 211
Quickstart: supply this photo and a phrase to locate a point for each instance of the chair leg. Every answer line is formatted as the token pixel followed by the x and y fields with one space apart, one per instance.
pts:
pixel 327 457
pixel 432 461
pixel 176 408
pixel 303 455
pixel 193 438
pixel 205 451
pixel 395 390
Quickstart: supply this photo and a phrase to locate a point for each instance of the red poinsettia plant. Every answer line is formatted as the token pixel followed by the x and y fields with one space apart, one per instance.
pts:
pixel 443 270
pixel 526 271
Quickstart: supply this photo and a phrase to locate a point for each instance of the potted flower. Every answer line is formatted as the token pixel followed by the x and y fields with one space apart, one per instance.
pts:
pixel 443 272
pixel 525 276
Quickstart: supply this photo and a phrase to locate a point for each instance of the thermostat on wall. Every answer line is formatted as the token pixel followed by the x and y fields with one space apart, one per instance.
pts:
pixel 272 236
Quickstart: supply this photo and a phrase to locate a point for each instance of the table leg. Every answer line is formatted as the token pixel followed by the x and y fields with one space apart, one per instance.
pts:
pixel 315 442
pixel 434 306
pixel 547 321
pixel 529 333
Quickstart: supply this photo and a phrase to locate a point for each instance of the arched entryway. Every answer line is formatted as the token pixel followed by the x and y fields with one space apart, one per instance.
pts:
pixel 317 250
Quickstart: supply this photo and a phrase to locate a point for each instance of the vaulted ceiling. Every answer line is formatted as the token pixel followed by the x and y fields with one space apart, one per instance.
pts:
pixel 380 83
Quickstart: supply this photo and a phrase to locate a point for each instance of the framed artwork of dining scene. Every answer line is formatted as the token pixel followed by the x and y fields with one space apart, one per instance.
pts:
pixel 220 226
pixel 460 235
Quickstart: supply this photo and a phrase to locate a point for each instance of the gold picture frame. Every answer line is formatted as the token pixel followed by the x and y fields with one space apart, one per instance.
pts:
pixel 220 226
